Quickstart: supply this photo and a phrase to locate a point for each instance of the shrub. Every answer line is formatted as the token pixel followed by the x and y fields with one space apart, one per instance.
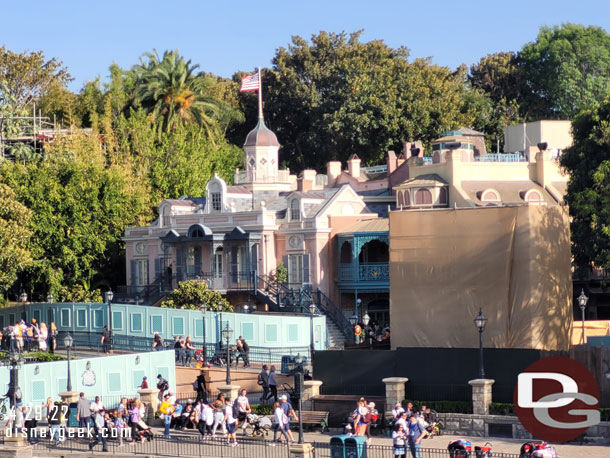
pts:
pixel 262 409
pixel 443 406
pixel 501 408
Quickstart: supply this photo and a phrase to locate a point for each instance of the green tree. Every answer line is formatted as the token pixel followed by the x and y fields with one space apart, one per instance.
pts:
pixel 28 75
pixel 193 294
pixel 565 71
pixel 14 237
pixel 338 96
pixel 170 92
pixel 588 194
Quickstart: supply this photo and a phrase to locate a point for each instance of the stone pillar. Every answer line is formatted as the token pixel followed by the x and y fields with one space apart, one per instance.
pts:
pixel 301 451
pixel 481 395
pixel 230 391
pixel 394 391
pixel 67 397
pixel 312 388
pixel 150 397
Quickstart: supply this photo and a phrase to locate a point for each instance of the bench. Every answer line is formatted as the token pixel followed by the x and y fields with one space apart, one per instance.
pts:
pixel 313 417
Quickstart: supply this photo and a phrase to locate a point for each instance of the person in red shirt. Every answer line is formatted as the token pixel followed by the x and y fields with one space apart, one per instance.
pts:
pixel 144 384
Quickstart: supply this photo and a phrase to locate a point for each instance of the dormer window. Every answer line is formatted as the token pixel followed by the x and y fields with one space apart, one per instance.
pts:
pixel 166 219
pixel 491 197
pixel 295 210
pixel 423 197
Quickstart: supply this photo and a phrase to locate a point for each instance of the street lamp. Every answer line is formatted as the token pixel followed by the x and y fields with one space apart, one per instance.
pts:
pixel 109 296
pixel 50 298
pixel 353 320
pixel 365 321
pixel 227 333
pixel 24 296
pixel 203 309
pixel 68 342
pixel 312 312
pixel 14 362
pixel 246 308
pixel 480 321
pixel 582 303
pixel 298 386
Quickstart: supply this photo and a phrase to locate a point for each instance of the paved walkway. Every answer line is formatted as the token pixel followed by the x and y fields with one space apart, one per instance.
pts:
pixel 499 446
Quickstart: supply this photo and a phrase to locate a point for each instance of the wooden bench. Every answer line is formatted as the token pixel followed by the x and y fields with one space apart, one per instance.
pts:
pixel 313 417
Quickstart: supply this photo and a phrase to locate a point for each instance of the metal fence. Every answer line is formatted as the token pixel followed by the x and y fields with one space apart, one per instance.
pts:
pixel 184 445
pixel 257 355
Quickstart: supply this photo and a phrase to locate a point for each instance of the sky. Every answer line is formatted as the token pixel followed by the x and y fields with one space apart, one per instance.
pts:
pixel 226 36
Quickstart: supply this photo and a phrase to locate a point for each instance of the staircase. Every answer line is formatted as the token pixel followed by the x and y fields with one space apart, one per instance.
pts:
pixel 335 339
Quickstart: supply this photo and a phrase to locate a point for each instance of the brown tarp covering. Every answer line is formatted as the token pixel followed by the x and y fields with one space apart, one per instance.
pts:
pixel 512 262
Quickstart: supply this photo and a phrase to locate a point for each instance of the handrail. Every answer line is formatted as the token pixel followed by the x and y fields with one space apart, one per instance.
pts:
pixel 331 310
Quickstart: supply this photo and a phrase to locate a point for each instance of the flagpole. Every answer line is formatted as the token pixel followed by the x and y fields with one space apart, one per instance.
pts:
pixel 260 94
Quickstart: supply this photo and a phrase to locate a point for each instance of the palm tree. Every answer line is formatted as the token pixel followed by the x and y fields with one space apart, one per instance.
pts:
pixel 172 94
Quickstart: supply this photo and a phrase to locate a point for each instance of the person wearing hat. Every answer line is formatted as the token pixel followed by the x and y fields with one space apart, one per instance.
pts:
pixel 166 410
pixel 289 412
pixel 144 384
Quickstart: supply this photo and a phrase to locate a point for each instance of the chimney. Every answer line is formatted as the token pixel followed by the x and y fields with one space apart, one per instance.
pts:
pixel 307 180
pixel 353 166
pixel 391 162
pixel 401 160
pixel 333 170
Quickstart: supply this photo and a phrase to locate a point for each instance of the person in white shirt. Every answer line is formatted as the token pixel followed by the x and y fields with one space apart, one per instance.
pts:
pixel 397 411
pixel 280 421
pixel 172 397
pixel 231 422
pixel 243 409
pixel 403 420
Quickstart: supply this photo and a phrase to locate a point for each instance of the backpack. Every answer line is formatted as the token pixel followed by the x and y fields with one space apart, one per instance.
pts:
pixel 196 385
pixel 260 379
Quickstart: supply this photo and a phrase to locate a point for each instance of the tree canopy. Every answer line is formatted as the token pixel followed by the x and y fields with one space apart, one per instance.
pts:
pixel 588 162
pixel 193 295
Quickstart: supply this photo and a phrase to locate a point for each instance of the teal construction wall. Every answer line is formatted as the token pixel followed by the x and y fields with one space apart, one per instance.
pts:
pixel 259 329
pixel 108 376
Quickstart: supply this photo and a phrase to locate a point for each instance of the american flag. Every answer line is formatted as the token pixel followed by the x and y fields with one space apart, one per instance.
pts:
pixel 250 83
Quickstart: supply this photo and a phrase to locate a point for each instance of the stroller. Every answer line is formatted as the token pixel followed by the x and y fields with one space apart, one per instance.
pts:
pixel 483 451
pixel 142 431
pixel 200 359
pixel 258 426
pixel 460 448
pixel 537 449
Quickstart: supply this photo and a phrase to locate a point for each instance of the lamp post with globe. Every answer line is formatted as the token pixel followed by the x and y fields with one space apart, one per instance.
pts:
pixel 353 320
pixel 14 361
pixel 109 297
pixel 68 342
pixel 312 312
pixel 480 321
pixel 227 333
pixel 298 386
pixel 582 303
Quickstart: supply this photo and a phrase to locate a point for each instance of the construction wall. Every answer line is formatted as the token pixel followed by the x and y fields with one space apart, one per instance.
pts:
pixel 512 262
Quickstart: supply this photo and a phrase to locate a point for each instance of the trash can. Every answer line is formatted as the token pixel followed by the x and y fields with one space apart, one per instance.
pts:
pixel 72 422
pixel 337 446
pixel 355 447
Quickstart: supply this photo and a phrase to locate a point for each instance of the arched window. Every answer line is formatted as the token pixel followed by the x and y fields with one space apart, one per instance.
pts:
pixel 295 210
pixel 401 200
pixel 442 196
pixel 423 197
pixel 373 252
pixel 407 198
pixel 490 195
pixel 533 196
pixel 346 253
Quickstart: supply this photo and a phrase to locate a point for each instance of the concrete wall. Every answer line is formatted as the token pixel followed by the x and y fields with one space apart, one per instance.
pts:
pixel 259 329
pixel 109 376
pixel 558 134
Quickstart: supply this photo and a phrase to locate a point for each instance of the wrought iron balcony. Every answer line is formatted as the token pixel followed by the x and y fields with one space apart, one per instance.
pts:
pixel 366 272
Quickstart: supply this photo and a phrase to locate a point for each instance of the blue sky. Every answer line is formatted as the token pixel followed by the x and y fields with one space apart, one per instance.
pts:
pixel 223 37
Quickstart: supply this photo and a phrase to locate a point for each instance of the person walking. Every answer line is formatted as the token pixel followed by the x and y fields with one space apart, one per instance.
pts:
pixel 54 413
pixel 157 344
pixel 246 349
pixel 243 410
pixel 105 340
pixel 83 411
pixel 399 441
pixel 231 423
pixel 101 431
pixel 53 337
pixel 44 335
pixel 263 382
pixel 288 412
pixel 416 433
pixel 273 383
pixel 280 423
pixel 189 351
pixel 218 406
pixel 202 389
pixel 166 409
